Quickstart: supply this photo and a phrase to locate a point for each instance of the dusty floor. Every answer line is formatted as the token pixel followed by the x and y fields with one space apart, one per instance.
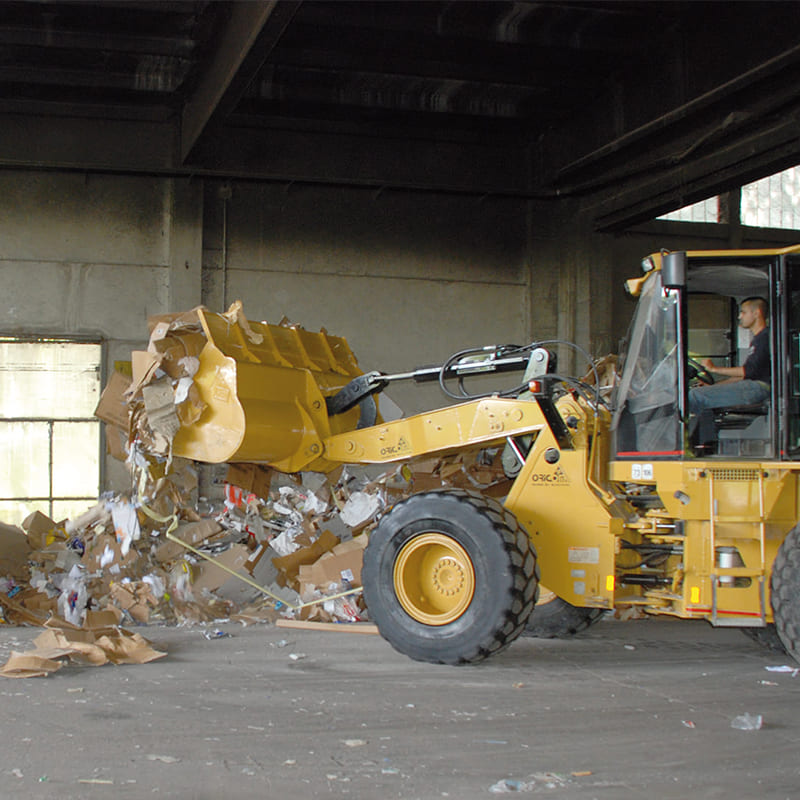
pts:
pixel 626 710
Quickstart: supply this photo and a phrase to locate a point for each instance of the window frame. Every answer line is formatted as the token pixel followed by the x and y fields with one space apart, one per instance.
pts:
pixel 51 422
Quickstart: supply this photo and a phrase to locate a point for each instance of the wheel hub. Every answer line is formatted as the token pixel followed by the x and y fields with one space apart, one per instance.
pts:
pixel 448 577
pixel 434 579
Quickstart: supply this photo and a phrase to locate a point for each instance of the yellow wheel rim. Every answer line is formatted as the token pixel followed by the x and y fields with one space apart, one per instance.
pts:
pixel 545 596
pixel 434 579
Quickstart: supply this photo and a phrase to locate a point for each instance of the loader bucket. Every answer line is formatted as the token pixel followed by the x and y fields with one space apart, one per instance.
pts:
pixel 264 388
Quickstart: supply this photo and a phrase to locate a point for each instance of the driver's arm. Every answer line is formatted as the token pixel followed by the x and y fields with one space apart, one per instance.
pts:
pixel 730 372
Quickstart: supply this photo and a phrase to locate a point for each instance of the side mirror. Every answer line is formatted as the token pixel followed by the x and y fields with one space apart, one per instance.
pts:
pixel 673 270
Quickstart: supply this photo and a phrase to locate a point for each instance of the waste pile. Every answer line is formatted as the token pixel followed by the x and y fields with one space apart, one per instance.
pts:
pixel 278 544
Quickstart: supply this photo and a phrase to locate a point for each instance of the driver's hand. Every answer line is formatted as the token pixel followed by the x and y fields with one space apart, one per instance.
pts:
pixel 707 363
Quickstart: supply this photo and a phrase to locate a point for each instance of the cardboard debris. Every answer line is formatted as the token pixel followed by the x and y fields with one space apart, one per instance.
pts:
pixel 212 577
pixel 15 550
pixel 289 566
pixel 275 533
pixel 340 566
pixel 193 533
pixel 29 665
pixel 294 543
pixel 159 403
pixel 336 627
pixel 41 529
pixel 80 646
pixel 251 478
pixel 113 406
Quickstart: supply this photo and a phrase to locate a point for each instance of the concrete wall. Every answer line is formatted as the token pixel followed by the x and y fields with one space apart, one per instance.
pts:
pixel 408 278
pixel 94 256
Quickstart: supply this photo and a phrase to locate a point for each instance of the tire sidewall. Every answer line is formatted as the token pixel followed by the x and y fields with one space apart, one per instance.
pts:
pixel 465 524
pixel 785 591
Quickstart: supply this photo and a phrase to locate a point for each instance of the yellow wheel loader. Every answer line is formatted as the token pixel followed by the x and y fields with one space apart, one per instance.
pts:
pixel 618 501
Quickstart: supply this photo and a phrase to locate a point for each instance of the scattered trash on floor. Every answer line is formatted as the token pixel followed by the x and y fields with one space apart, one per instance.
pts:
pixel 217 634
pixel 748 722
pixel 162 759
pixel 539 780
pixel 512 785
pixel 784 668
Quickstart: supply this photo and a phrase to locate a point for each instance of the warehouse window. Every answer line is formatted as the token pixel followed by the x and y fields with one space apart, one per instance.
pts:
pixel 49 437
pixel 704 211
pixel 771 202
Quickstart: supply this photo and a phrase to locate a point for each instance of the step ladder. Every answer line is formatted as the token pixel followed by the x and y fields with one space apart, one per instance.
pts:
pixel 756 573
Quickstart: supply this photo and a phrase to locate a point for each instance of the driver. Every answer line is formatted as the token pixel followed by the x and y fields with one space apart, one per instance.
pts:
pixel 747 384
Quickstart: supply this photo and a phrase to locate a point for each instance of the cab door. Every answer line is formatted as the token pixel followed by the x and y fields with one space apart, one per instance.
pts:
pixel 787 328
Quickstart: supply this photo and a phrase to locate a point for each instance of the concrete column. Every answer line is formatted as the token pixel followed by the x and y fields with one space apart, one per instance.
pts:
pixel 184 227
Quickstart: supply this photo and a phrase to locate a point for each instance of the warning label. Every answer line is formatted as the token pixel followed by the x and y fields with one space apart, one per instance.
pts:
pixel 584 555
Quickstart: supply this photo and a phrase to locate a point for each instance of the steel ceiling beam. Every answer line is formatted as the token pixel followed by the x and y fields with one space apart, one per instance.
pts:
pixel 761 82
pixel 772 148
pixel 55 39
pixel 253 30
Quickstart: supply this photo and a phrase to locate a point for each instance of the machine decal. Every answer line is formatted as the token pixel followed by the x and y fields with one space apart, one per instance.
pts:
pixel 402 446
pixel 641 472
pixel 584 555
pixel 557 477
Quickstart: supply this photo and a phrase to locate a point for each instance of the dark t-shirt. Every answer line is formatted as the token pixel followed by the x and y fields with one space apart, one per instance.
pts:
pixel 756 367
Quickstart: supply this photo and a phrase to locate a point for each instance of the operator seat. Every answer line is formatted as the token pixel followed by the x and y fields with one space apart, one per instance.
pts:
pixel 744 430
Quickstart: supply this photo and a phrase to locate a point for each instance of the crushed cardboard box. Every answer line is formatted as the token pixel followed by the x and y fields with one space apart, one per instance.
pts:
pixel 85 646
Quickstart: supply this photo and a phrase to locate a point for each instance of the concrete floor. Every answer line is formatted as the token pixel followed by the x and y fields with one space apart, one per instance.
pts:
pixel 626 709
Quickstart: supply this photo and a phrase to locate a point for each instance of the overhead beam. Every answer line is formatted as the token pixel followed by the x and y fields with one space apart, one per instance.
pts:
pixel 729 166
pixel 290 157
pixel 759 82
pixel 530 24
pixel 393 92
pixel 253 30
pixel 435 59
pixel 65 39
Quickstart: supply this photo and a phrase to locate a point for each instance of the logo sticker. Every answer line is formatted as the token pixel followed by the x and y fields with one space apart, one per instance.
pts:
pixel 556 478
pixel 402 446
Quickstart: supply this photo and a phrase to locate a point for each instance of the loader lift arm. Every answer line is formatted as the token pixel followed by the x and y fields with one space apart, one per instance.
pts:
pixel 491 359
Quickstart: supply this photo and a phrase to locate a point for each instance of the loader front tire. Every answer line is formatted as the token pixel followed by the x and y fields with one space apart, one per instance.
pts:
pixel 554 618
pixel 449 577
pixel 785 590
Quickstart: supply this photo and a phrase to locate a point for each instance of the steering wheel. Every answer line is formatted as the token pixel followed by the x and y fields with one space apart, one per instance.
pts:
pixel 697 370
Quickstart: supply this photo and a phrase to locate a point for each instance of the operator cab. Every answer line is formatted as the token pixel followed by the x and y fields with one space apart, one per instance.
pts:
pixel 688 311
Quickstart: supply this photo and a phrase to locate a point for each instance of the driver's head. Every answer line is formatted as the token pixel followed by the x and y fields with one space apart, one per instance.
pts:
pixel 753 311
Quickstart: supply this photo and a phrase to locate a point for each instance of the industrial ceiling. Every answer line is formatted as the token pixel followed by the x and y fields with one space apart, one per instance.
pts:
pixel 628 108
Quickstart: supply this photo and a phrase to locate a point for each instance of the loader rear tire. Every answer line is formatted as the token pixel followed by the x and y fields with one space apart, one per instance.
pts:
pixel 554 618
pixel 767 637
pixel 449 577
pixel 785 590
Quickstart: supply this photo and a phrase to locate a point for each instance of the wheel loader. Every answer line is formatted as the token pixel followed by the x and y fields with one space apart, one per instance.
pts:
pixel 616 502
